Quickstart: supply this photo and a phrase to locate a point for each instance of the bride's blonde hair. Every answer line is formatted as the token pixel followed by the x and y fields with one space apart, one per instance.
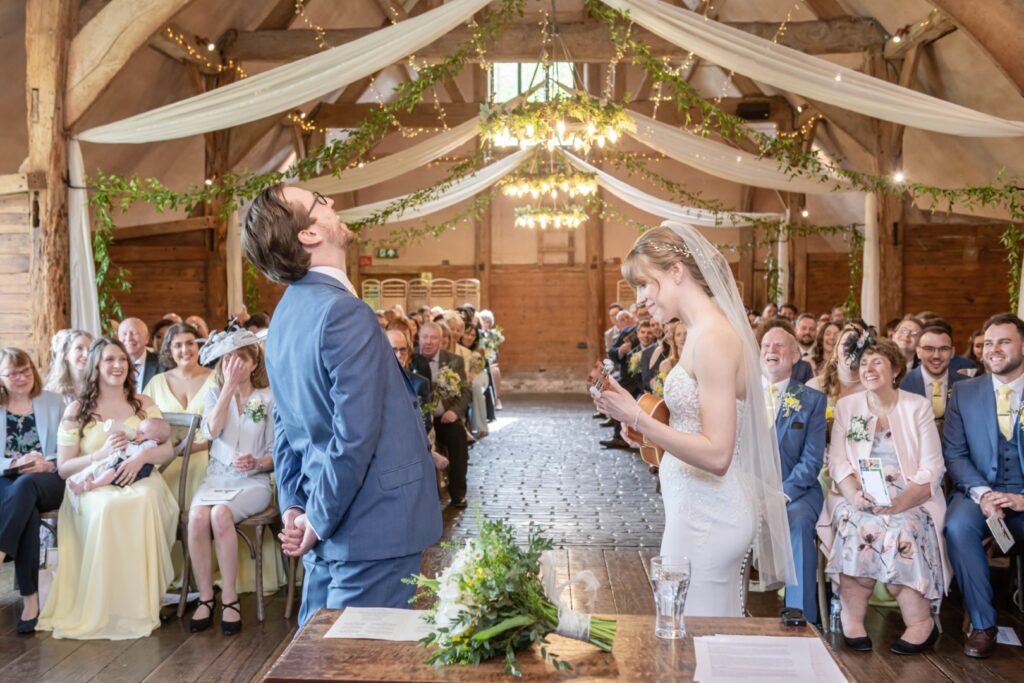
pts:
pixel 660 248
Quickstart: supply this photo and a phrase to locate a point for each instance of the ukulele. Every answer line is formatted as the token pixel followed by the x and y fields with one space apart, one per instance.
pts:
pixel 649 403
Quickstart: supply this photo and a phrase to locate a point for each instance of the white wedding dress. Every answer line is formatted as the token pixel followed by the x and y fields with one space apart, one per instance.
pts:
pixel 708 519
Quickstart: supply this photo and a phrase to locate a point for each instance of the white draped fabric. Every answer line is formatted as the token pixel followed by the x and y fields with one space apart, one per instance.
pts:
pixel 459 191
pixel 290 85
pixel 664 208
pixel 85 309
pixel 233 254
pixel 870 304
pixel 812 77
pixel 392 166
pixel 783 269
pixel 723 161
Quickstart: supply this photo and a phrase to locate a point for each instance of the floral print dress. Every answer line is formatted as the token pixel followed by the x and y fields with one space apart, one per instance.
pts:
pixel 22 435
pixel 900 549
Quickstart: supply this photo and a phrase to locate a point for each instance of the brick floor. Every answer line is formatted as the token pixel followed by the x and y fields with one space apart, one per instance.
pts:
pixel 542 465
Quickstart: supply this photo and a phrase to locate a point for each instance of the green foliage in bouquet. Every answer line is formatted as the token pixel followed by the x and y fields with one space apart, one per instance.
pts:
pixel 448 385
pixel 490 602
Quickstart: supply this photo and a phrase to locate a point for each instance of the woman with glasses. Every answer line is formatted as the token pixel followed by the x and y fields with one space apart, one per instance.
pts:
pixel 29 418
pixel 906 336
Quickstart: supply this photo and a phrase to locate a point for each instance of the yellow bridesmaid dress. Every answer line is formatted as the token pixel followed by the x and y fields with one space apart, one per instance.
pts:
pixel 161 393
pixel 114 560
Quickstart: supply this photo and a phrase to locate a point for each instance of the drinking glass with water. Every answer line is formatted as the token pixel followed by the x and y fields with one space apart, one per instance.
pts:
pixel 670 580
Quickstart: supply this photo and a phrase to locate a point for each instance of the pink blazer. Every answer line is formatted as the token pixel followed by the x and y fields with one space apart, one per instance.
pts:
pixel 918 450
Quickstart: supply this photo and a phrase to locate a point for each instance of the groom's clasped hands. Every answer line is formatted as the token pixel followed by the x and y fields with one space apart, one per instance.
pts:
pixel 298 536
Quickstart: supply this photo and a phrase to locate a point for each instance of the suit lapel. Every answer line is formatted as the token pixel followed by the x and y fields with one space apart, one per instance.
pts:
pixel 42 421
pixel 988 404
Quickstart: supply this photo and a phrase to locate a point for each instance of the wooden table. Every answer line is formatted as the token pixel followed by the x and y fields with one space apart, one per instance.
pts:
pixel 637 655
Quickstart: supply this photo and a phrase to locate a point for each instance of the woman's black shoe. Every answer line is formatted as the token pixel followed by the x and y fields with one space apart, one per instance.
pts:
pixel 198 625
pixel 27 626
pixel 902 647
pixel 862 644
pixel 230 628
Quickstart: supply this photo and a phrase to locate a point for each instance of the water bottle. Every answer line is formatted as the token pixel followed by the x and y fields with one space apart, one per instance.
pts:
pixel 834 624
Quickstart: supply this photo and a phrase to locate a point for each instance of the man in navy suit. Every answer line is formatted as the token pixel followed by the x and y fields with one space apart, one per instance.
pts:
pixel 981 444
pixel 355 479
pixel 934 377
pixel 799 416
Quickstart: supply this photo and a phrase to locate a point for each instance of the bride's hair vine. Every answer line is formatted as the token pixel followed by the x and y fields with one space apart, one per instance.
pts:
pixel 673 248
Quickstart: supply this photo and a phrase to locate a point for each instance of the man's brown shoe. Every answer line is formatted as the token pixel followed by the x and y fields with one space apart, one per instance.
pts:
pixel 981 643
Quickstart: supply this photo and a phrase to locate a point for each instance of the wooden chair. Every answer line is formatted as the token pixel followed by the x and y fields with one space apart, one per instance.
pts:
pixel 268 519
pixel 419 294
pixel 184 427
pixel 467 291
pixel 442 293
pixel 371 294
pixel 394 291
pixel 624 293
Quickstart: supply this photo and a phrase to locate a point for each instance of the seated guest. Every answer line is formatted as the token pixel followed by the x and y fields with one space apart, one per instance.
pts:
pixel 838 314
pixel 675 338
pixel 933 378
pixel 201 327
pixel 238 423
pixel 492 340
pixel 788 311
pixel 798 414
pixel 478 378
pixel 173 317
pixel 898 543
pixel 609 334
pixel 29 418
pixel 982 448
pixel 100 590
pixel 890 328
pixel 975 351
pixel 67 364
pixel 824 345
pixel 906 336
pixel 257 322
pixel 652 357
pixel 451 406
pixel 134 334
pixel 841 376
pixel 157 333
pixel 636 369
pixel 806 331
pixel 801 372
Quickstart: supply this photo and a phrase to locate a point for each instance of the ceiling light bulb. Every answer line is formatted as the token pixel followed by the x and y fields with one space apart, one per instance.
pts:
pixel 805 213
pixel 897 38
pixel 839 77
pixel 210 47
pixel 899 177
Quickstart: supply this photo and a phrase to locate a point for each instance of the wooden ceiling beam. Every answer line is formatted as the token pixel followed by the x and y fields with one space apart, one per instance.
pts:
pixel 996 25
pixel 104 45
pixel 427 115
pixel 587 41
pixel 919 34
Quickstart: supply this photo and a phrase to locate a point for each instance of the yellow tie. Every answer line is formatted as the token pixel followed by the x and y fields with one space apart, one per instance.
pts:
pixel 1003 411
pixel 938 399
pixel 773 393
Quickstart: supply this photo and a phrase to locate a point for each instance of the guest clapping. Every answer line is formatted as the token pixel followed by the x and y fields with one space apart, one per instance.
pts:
pixel 29 418
pixel 886 439
pixel 238 422
pixel 982 448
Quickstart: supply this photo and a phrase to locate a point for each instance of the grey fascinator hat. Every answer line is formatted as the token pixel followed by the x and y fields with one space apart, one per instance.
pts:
pixel 222 343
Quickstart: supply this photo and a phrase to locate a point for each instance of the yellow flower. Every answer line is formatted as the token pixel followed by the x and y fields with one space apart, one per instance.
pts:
pixel 790 404
pixel 830 413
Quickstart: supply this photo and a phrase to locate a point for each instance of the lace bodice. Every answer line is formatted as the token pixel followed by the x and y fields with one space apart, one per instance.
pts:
pixel 683 400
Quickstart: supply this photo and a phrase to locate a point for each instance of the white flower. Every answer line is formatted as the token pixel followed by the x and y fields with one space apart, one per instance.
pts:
pixel 447 616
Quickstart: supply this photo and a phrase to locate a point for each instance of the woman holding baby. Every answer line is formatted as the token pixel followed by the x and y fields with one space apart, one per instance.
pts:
pixel 115 560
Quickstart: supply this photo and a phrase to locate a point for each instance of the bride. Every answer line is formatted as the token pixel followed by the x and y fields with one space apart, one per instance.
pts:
pixel 720 478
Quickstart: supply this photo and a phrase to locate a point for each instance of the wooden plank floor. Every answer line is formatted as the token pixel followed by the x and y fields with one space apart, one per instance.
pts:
pixel 174 655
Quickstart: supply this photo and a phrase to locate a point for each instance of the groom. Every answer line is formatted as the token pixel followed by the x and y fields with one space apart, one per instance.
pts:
pixel 354 474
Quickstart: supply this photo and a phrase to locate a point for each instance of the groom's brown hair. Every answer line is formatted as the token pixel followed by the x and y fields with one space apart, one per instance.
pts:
pixel 270 236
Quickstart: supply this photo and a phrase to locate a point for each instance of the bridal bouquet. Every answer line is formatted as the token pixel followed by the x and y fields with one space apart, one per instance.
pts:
pixel 490 602
pixel 448 384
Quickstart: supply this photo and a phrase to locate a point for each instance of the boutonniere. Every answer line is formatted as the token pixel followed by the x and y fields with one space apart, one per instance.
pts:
pixel 858 430
pixel 791 404
pixel 634 364
pixel 830 413
pixel 256 410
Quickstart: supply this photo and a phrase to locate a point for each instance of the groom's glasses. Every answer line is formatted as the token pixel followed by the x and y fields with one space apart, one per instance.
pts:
pixel 317 199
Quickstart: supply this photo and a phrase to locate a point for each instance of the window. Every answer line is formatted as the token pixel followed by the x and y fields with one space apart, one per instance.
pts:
pixel 509 79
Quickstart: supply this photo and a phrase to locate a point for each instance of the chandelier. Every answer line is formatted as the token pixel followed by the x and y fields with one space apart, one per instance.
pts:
pixel 542 217
pixel 579 121
pixel 550 184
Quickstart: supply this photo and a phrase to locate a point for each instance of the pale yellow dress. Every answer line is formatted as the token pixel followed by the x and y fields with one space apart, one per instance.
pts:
pixel 161 393
pixel 114 559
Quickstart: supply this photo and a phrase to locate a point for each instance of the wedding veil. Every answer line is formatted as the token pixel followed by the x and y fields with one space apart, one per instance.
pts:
pixel 757 461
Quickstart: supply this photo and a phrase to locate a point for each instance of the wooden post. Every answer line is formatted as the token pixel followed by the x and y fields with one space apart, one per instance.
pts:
pixel 48 26
pixel 483 236
pixel 218 148
pixel 594 257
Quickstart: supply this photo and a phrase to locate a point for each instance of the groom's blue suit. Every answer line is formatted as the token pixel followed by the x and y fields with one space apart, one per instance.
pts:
pixel 350 449
pixel 801 435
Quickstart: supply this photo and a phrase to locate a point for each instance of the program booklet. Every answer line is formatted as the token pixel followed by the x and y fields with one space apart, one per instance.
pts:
pixel 872 478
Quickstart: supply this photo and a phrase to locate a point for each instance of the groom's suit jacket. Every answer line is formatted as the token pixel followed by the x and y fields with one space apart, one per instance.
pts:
pixel 802 442
pixel 970 435
pixel 349 445
pixel 421 366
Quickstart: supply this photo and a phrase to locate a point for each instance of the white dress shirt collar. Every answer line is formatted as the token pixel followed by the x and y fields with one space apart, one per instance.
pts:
pixel 336 273
pixel 1015 386
pixel 929 378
